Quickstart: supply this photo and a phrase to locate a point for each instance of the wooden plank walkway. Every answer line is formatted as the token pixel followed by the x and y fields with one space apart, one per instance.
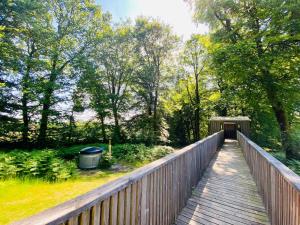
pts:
pixel 226 194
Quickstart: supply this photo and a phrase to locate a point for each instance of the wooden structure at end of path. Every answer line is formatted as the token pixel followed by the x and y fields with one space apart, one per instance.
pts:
pixel 230 125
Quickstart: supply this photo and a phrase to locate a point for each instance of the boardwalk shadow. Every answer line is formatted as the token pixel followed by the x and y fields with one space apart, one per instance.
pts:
pixel 226 194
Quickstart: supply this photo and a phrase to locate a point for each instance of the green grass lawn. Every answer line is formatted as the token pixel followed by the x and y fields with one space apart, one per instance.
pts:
pixel 20 199
pixel 27 194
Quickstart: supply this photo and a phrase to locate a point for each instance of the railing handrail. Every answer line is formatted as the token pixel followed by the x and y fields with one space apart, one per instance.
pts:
pixel 61 212
pixel 287 173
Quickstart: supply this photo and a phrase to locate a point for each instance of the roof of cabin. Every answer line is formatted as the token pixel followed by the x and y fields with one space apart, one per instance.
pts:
pixel 230 119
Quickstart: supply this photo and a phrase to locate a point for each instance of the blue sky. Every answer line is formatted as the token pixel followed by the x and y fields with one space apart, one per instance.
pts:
pixel 173 12
pixel 118 8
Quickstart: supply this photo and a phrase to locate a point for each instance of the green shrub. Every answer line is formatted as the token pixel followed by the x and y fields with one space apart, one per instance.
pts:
pixel 7 167
pixel 279 155
pixel 106 160
pixel 59 165
pixel 36 164
pixel 130 152
pixel 161 151
pixel 139 152
pixel 60 170
pixel 294 165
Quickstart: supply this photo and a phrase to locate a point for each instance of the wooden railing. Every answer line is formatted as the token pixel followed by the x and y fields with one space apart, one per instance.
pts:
pixel 278 185
pixel 151 195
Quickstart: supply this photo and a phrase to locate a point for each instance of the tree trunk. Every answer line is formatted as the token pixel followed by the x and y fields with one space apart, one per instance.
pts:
pixel 282 120
pixel 281 117
pixel 103 128
pixel 117 131
pixel 155 117
pixel 71 125
pixel 46 107
pixel 197 110
pixel 188 130
pixel 155 121
pixel 44 119
pixel 25 95
pixel 275 101
pixel 25 116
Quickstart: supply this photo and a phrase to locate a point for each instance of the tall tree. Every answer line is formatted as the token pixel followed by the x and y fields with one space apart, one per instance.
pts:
pixel 93 84
pixel 77 27
pixel 24 27
pixel 30 44
pixel 193 60
pixel 154 43
pixel 259 45
pixel 114 63
pixel 9 28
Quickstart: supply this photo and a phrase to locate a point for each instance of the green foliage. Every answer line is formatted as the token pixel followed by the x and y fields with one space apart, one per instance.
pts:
pixel 293 164
pixel 7 167
pixel 154 45
pixel 36 164
pixel 58 165
pixel 255 58
pixel 161 151
pixel 130 152
pixel 43 48
pixel 106 160
pixel 139 152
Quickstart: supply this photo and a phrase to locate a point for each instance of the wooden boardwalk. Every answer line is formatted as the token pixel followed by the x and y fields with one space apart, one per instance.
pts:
pixel 226 194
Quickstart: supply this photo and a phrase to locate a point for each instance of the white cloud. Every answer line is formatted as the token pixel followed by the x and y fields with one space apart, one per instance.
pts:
pixel 176 13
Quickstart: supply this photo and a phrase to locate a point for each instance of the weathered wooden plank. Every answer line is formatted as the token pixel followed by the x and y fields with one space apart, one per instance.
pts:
pixel 276 183
pixel 202 217
pixel 105 212
pixel 127 205
pixel 73 221
pixel 133 201
pixel 121 208
pixel 84 217
pixel 227 194
pixel 113 209
pixel 232 200
pixel 235 218
pixel 95 214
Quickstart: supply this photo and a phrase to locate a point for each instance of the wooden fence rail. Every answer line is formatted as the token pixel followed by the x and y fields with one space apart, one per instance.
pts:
pixel 151 195
pixel 278 185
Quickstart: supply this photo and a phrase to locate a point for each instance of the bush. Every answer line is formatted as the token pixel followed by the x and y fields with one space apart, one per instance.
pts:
pixel 139 152
pixel 294 165
pixel 106 160
pixel 60 170
pixel 161 151
pixel 36 164
pixel 60 165
pixel 7 167
pixel 130 152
